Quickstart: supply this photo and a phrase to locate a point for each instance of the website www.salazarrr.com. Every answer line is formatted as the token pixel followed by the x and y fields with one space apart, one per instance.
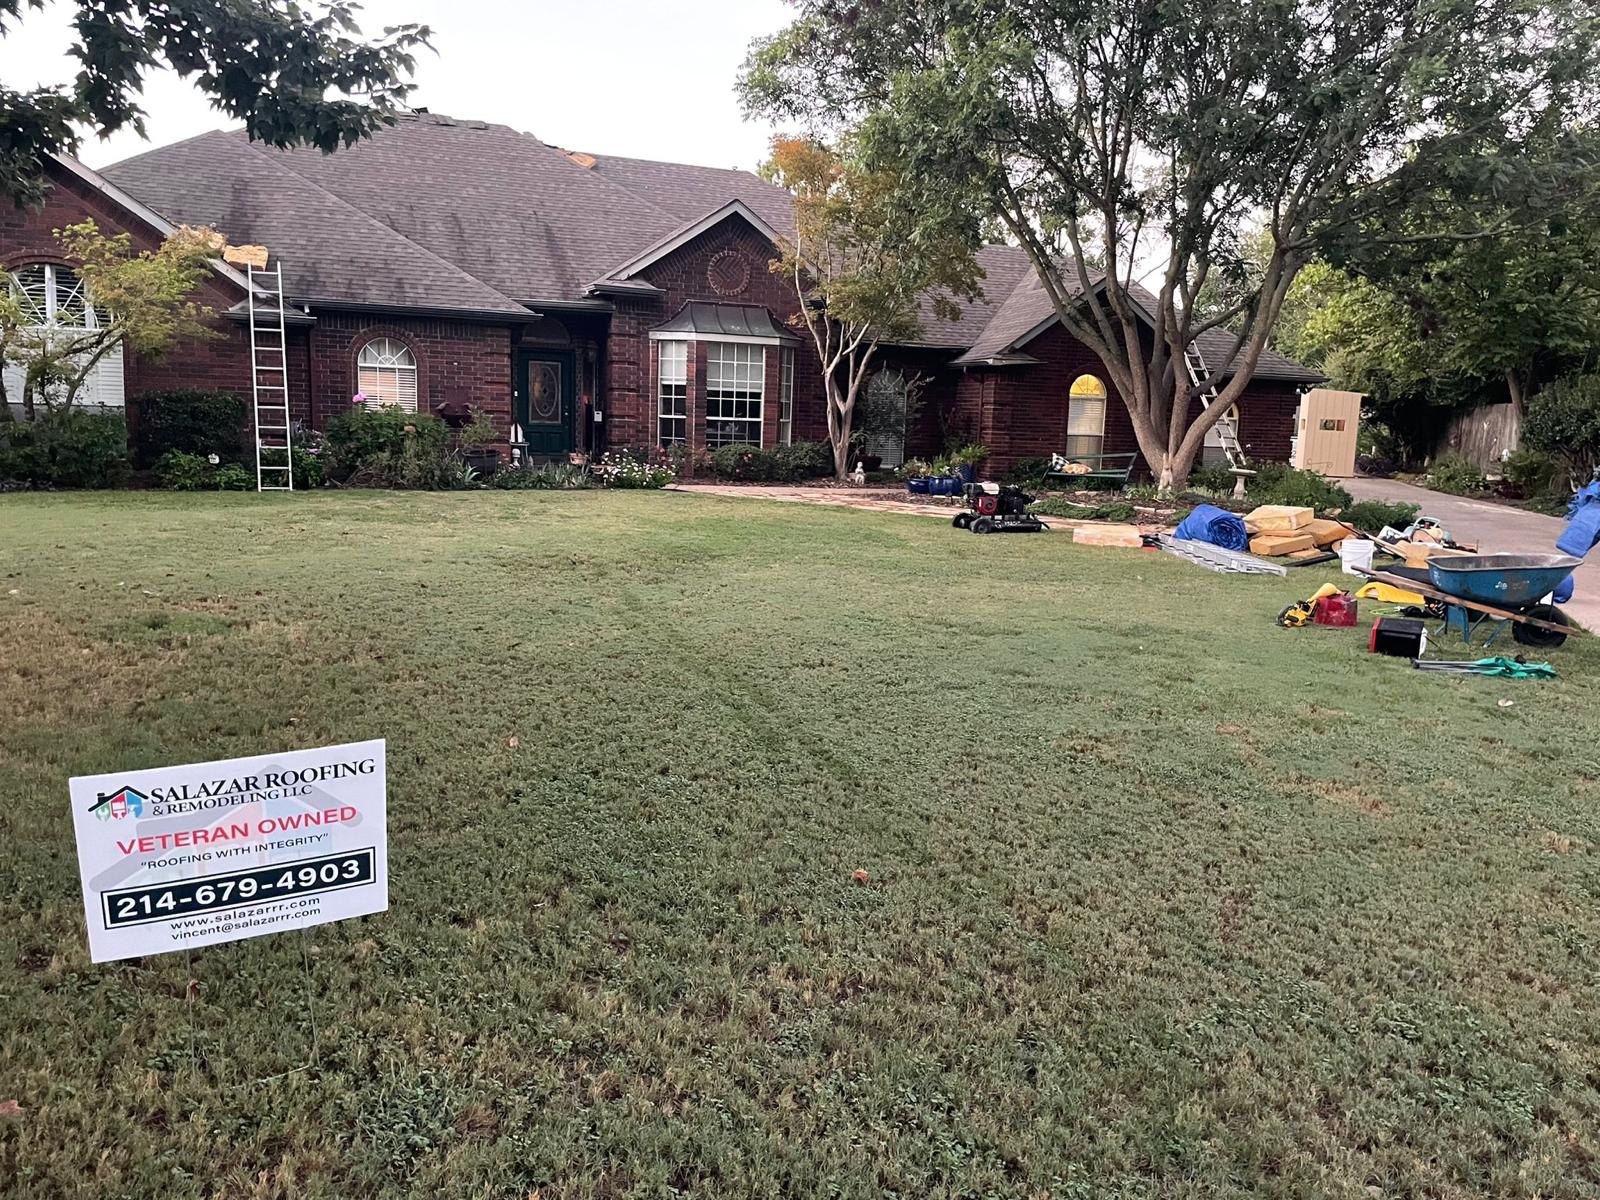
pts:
pixel 271 914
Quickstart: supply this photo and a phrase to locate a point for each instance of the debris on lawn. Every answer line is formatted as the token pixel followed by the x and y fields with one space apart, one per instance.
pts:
pixel 860 876
pixel 1503 668
pixel 1328 605
pixel 1400 637
pixel 1126 536
pixel 1215 558
pixel 1214 526
pixel 10 1108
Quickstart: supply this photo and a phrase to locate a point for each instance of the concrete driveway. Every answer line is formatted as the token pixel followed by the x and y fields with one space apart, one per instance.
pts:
pixel 1494 527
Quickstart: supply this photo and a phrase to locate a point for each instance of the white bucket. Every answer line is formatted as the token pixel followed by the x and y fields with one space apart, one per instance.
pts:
pixel 1355 552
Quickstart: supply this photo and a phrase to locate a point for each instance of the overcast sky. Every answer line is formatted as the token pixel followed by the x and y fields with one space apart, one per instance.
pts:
pixel 639 78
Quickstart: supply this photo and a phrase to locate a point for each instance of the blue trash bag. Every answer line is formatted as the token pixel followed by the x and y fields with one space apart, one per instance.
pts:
pixel 1217 527
pixel 1563 591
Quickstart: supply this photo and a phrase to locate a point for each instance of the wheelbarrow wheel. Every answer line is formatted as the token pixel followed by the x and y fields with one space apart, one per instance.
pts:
pixel 1532 635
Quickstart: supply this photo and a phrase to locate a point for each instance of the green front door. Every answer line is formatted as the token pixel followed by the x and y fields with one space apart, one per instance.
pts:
pixel 544 402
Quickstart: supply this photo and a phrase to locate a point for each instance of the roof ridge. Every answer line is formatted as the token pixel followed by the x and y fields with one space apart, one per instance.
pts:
pixel 283 163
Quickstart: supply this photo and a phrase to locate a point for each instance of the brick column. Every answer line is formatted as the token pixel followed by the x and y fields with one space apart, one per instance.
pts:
pixel 695 398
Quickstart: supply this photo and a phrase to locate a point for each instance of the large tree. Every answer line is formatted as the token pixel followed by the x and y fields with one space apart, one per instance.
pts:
pixel 1141 140
pixel 296 72
pixel 862 268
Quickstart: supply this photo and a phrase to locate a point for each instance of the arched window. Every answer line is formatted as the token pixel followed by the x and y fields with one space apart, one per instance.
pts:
pixel 53 297
pixel 386 373
pixel 1086 417
pixel 54 303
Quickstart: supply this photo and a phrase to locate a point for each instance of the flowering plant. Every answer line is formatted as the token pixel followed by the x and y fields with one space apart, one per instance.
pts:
pixel 625 469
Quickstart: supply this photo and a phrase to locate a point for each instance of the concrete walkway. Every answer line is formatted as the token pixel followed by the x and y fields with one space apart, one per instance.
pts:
pixel 1494 528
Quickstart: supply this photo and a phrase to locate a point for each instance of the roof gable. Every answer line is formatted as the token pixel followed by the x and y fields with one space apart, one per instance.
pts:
pixel 684 234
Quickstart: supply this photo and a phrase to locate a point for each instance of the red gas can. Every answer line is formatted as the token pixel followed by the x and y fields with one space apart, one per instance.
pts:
pixel 1337 610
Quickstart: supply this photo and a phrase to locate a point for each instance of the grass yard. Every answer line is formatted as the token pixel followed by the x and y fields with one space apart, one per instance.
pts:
pixel 1165 901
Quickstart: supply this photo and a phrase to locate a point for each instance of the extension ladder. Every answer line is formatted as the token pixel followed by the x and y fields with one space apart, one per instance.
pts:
pixel 1227 428
pixel 269 379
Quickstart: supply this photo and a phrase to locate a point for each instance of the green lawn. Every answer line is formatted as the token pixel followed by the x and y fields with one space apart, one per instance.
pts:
pixel 1165 901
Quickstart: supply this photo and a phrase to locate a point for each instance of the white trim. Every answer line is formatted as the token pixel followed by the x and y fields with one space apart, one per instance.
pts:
pixel 143 211
pixel 680 335
pixel 687 234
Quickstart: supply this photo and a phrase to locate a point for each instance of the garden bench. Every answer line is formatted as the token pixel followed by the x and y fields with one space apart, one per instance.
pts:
pixel 1116 467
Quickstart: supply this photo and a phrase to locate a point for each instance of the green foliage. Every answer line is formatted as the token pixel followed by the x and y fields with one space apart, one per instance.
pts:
pixel 1536 475
pixel 389 447
pixel 1371 516
pixel 552 476
pixel 634 469
pixel 1054 506
pixel 1279 483
pixel 72 449
pixel 1457 475
pixel 180 471
pixel 1563 421
pixel 779 464
pixel 194 420
pixel 308 462
pixel 293 74
pixel 1029 472
pixel 1216 478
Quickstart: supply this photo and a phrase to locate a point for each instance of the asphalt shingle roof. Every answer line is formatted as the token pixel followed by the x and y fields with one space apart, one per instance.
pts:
pixel 690 192
pixel 331 250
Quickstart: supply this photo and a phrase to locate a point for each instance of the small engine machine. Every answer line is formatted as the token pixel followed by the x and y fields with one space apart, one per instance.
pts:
pixel 997 508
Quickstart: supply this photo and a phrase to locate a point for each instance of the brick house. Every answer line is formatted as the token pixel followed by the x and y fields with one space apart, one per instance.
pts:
pixel 581 301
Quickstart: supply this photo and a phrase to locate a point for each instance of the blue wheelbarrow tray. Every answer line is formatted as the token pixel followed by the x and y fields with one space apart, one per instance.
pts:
pixel 1509 581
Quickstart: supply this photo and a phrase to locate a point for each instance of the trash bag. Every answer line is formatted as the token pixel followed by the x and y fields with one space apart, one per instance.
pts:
pixel 1215 526
pixel 1583 530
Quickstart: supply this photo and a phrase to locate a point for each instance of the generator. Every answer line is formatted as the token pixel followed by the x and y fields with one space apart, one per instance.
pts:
pixel 997 508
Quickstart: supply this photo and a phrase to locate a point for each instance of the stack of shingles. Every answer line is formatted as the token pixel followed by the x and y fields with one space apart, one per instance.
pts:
pixel 1281 530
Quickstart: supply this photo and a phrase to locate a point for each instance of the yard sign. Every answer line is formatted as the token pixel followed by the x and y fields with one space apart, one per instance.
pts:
pixel 178 857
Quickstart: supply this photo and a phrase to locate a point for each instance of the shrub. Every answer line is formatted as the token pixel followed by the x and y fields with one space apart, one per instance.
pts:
pixel 1215 478
pixel 1029 472
pixel 1534 474
pixel 803 460
pixel 1457 475
pixel 553 476
pixel 1563 421
pixel 308 470
pixel 389 447
pixel 1279 483
pixel 744 462
pixel 73 449
pixel 1370 516
pixel 192 420
pixel 181 471
pixel 623 469
pixel 233 477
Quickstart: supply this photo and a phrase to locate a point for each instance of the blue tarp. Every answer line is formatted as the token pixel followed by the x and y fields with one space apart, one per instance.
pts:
pixel 1208 523
pixel 1583 524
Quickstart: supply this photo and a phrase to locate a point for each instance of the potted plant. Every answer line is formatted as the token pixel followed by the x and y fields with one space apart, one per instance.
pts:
pixel 964 460
pixel 915 472
pixel 473 443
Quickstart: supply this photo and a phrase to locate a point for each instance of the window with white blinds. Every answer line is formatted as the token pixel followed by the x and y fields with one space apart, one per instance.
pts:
pixel 736 375
pixel 672 393
pixel 786 396
pixel 1086 417
pixel 53 297
pixel 386 373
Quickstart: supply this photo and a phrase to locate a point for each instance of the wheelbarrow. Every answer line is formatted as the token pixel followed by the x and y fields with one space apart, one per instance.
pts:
pixel 1470 592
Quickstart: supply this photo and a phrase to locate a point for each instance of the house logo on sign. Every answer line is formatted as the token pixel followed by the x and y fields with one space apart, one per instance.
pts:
pixel 124 802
